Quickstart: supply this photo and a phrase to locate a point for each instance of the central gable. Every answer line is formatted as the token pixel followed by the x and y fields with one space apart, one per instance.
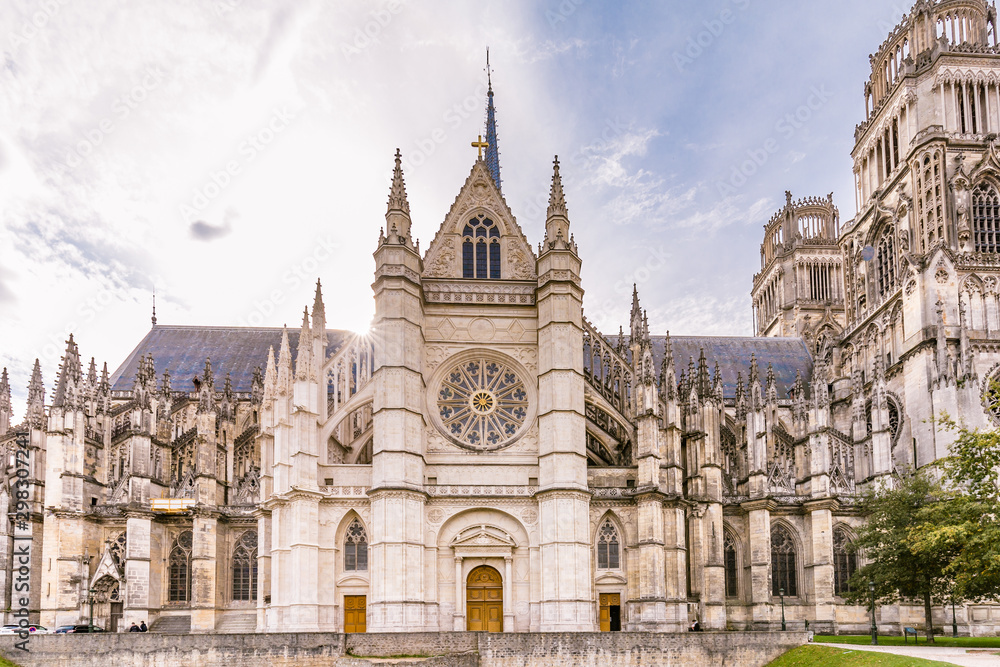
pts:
pixel 480 217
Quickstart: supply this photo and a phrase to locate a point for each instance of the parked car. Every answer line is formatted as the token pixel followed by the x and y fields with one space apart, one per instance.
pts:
pixel 73 629
pixel 13 629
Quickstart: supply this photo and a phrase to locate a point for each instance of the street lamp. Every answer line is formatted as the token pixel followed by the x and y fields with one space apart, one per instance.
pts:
pixel 781 594
pixel 871 588
pixel 90 598
pixel 954 620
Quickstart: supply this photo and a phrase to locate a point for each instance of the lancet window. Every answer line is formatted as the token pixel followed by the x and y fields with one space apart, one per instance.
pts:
pixel 356 547
pixel 179 588
pixel 731 559
pixel 245 567
pixel 986 218
pixel 783 574
pixel 608 547
pixel 845 561
pixel 481 249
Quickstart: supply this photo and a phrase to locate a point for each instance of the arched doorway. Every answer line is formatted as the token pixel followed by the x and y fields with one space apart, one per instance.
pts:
pixel 484 600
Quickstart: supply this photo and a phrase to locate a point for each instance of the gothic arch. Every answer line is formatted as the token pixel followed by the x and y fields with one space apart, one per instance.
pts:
pixel 783 535
pixel 623 539
pixel 731 538
pixel 482 516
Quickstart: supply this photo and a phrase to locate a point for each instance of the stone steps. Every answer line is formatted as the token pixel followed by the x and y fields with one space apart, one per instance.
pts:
pixel 172 625
pixel 237 623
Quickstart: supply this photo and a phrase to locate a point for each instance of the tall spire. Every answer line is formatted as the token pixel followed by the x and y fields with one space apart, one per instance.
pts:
pixel 492 150
pixel 557 217
pixel 319 313
pixel 36 397
pixel 70 374
pixel 5 410
pixel 154 308
pixel 397 214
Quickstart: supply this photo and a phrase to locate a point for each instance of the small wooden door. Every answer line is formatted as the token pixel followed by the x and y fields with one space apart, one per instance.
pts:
pixel 116 615
pixel 484 600
pixel 354 613
pixel 610 617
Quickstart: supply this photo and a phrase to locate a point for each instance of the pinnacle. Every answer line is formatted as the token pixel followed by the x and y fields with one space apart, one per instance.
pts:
pixel 557 199
pixel 318 301
pixel 397 192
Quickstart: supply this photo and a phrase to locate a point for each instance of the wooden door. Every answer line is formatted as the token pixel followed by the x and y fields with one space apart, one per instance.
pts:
pixel 484 600
pixel 354 613
pixel 116 616
pixel 610 616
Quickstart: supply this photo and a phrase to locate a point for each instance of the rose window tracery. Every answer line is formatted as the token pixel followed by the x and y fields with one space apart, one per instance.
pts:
pixel 482 404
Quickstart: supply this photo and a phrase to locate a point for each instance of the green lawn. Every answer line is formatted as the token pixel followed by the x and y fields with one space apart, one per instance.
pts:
pixel 4 662
pixel 827 656
pixel 966 642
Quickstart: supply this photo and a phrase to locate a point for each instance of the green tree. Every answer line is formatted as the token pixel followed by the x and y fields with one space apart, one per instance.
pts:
pixel 966 520
pixel 898 570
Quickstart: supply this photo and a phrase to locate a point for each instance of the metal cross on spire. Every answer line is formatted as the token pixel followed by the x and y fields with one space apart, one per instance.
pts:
pixel 480 144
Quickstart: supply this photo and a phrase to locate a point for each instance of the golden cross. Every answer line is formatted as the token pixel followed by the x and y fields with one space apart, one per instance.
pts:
pixel 480 145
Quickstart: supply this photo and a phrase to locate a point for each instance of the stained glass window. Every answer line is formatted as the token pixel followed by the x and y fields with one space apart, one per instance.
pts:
pixel 482 404
pixel 845 561
pixel 481 249
pixel 245 567
pixel 608 547
pixel 356 547
pixel 986 218
pixel 180 568
pixel 732 567
pixel 782 562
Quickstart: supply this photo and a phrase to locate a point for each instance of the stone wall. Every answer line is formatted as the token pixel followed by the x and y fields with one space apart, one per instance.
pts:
pixel 444 649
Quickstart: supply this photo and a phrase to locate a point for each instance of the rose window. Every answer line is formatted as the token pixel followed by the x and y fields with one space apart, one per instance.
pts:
pixel 482 404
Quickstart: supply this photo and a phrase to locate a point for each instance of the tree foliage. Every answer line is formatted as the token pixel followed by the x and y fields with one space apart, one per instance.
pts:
pixel 965 522
pixel 898 570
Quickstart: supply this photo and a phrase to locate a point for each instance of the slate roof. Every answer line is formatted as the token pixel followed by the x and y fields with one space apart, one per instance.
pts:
pixel 182 350
pixel 786 355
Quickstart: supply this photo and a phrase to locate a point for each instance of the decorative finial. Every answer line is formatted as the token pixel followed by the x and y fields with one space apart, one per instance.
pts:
pixel 489 72
pixel 154 308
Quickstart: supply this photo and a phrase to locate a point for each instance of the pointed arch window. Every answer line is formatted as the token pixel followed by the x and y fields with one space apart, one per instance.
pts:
pixel 356 548
pixel 986 218
pixel 481 249
pixel 845 561
pixel 783 573
pixel 885 263
pixel 730 557
pixel 179 589
pixel 608 547
pixel 245 567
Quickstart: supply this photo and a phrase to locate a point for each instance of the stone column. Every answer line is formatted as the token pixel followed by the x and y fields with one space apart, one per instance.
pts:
pixel 138 526
pixel 459 602
pixel 203 570
pixel 508 594
pixel 567 600
pixel 263 566
pixel 759 521
pixel 820 561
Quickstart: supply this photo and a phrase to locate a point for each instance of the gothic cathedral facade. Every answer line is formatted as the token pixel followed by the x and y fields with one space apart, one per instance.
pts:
pixel 487 459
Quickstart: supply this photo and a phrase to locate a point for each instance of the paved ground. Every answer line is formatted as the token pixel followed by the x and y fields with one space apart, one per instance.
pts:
pixel 966 657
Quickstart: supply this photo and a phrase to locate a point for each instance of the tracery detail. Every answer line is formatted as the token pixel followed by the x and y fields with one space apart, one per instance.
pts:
pixel 482 404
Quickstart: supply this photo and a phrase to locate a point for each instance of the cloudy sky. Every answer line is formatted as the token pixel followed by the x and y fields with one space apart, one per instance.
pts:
pixel 226 153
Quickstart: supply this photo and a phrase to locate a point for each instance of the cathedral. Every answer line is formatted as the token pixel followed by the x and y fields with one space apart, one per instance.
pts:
pixel 486 459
